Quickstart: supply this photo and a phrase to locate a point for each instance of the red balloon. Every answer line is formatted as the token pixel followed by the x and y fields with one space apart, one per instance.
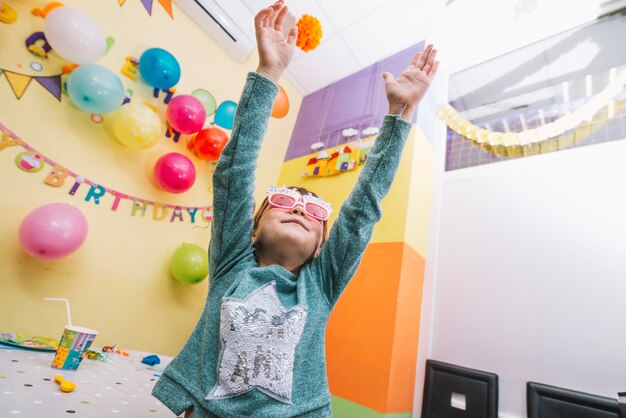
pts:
pixel 281 104
pixel 174 173
pixel 209 143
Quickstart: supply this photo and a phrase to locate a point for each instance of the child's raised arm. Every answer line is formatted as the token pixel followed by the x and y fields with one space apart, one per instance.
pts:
pixel 351 232
pixel 233 180
pixel 275 52
pixel 405 92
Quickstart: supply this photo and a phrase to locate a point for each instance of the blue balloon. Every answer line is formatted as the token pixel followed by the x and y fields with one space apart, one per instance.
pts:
pixel 95 89
pixel 159 68
pixel 225 114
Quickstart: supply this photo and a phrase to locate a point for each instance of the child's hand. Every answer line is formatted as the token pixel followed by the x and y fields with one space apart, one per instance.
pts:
pixel 406 91
pixel 275 52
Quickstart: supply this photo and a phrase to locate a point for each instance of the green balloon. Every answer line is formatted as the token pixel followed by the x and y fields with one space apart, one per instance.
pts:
pixel 190 264
pixel 207 100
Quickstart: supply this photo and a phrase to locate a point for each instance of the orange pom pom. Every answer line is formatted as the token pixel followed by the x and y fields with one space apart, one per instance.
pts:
pixel 309 33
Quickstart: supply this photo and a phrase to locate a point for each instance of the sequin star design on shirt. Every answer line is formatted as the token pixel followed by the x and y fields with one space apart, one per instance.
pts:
pixel 259 338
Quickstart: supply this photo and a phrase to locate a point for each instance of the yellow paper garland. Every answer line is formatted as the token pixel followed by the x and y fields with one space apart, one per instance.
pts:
pixel 453 119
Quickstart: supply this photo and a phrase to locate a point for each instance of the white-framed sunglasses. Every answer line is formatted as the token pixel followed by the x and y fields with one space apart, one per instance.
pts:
pixel 286 198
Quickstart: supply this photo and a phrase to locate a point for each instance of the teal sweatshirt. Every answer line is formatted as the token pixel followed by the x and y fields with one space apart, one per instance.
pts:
pixel 258 348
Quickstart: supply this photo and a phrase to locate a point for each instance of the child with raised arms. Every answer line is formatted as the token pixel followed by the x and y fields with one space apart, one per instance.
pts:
pixel 275 276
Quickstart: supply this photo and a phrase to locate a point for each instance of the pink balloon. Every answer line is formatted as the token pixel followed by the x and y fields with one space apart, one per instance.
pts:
pixel 174 173
pixel 186 114
pixel 53 231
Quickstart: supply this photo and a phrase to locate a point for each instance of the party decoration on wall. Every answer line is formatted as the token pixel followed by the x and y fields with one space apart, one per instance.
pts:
pixel 67 69
pixel 74 35
pixel 18 82
pixel 7 141
pixel 208 144
pixel 225 114
pixel 186 114
pixel 159 68
pixel 96 118
pixel 59 176
pixel 174 173
pixel 338 159
pixel 309 33
pixel 281 104
pixel 130 68
pixel 95 89
pixel 372 130
pixel 207 100
pixel 137 126
pixel 172 133
pixel 35 66
pixel 7 14
pixel 29 161
pixel 147 4
pixel 169 93
pixel 38 44
pixel 49 7
pixel 349 132
pixel 190 264
pixel 110 41
pixel 52 84
pixel 53 231
pixel 453 119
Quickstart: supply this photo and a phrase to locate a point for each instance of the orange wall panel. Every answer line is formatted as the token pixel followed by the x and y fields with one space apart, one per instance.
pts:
pixel 372 335
pixel 360 333
pixel 407 323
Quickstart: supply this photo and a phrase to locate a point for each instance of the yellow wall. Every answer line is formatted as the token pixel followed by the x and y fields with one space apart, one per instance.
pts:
pixel 335 189
pixel 420 195
pixel 118 282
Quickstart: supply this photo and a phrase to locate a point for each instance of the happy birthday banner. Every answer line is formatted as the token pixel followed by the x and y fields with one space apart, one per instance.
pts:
pixel 33 161
pixel 20 82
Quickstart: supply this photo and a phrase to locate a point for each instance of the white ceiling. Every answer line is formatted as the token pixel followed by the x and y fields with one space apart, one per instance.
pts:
pixel 358 33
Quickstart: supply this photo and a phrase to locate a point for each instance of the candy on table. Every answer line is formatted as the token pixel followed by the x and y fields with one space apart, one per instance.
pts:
pixel 151 360
pixel 65 385
pixel 94 355
pixel 114 349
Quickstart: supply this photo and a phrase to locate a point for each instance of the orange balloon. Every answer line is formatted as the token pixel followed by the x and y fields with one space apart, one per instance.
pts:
pixel 209 143
pixel 281 104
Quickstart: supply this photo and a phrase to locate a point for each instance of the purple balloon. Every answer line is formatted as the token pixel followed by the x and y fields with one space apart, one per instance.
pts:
pixel 53 231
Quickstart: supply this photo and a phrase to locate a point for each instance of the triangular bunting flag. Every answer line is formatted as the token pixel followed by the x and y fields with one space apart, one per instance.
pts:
pixel 121 2
pixel 18 82
pixel 52 84
pixel 167 5
pixel 148 5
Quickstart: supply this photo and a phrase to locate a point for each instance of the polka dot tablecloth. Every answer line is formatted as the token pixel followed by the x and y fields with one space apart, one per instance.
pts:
pixel 119 389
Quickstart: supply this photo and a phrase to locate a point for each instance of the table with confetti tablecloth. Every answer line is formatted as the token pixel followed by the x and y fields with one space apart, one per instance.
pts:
pixel 118 389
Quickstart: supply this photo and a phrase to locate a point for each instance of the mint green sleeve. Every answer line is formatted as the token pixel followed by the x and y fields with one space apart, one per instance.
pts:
pixel 233 179
pixel 352 231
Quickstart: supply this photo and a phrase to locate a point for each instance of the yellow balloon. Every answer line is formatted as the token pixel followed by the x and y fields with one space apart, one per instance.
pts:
pixel 137 126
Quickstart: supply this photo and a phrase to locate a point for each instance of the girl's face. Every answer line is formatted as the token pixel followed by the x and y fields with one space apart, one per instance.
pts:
pixel 288 233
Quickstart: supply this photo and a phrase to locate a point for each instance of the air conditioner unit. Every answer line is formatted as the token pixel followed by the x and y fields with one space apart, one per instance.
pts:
pixel 228 22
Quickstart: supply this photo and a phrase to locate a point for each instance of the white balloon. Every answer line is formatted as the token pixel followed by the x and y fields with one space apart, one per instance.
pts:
pixel 74 35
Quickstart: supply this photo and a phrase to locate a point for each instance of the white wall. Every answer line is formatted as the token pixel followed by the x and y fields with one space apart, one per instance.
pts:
pixel 530 272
